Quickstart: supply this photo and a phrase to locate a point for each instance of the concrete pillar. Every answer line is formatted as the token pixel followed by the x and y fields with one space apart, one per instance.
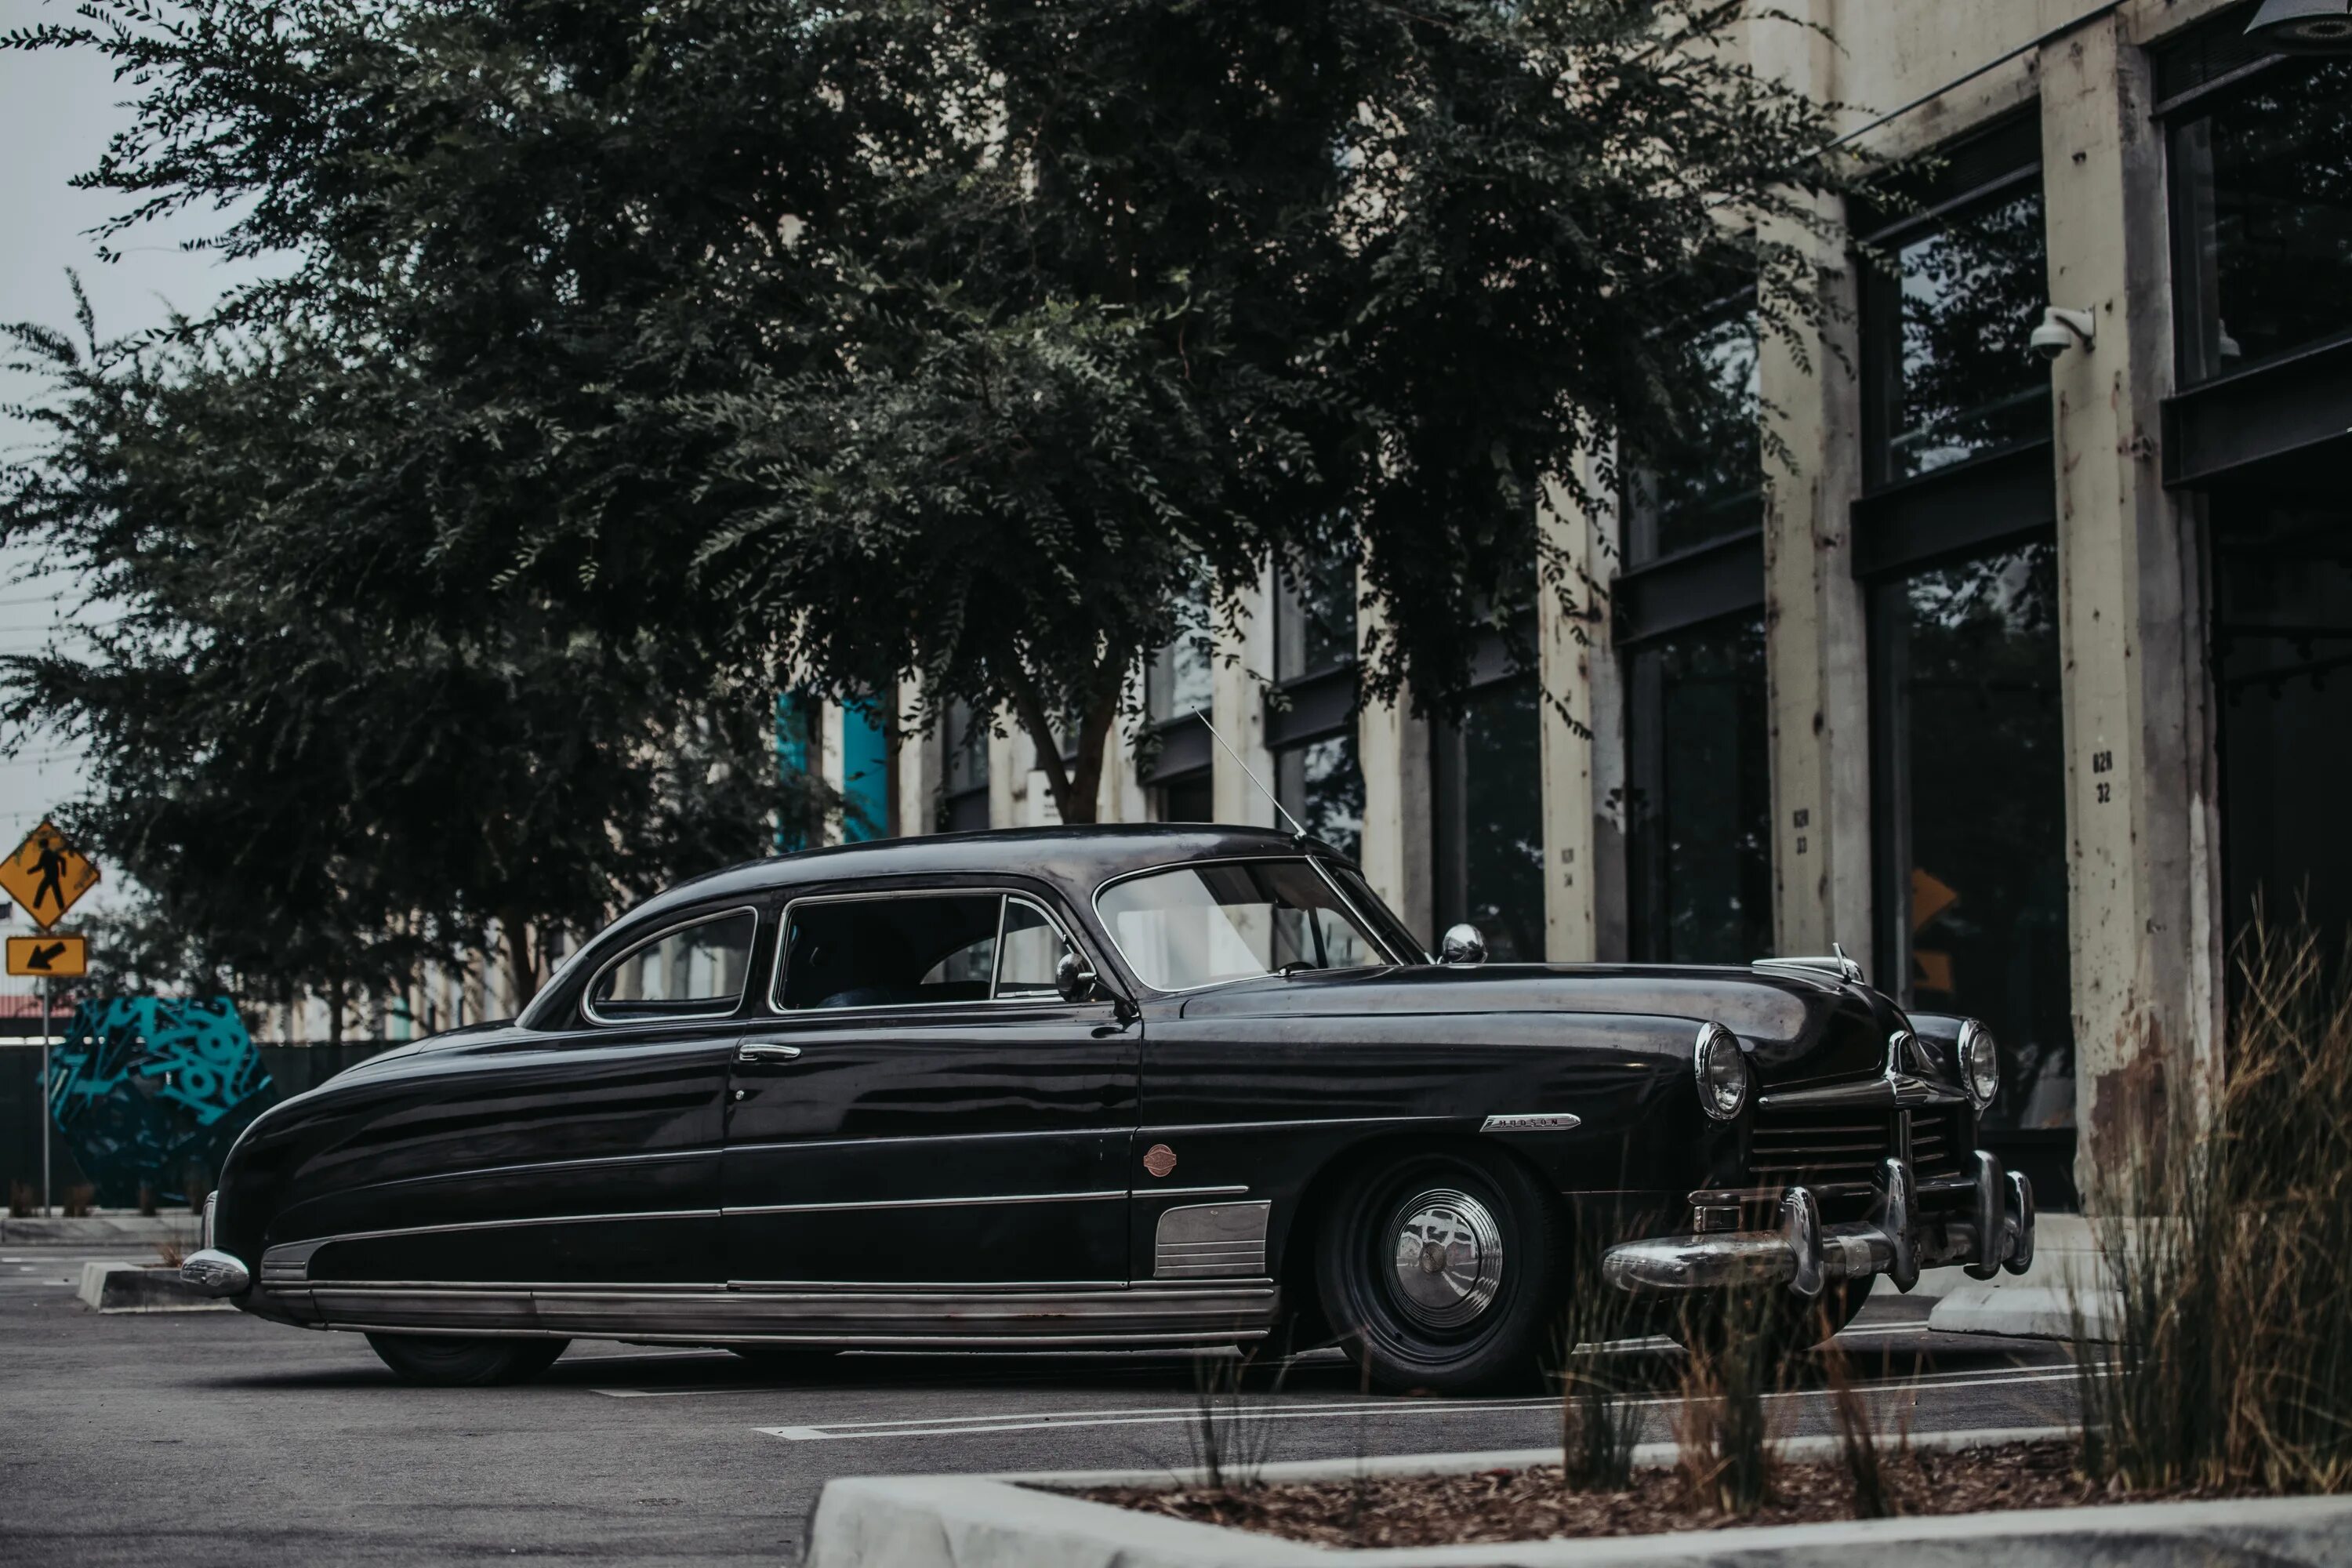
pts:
pixel 1574 657
pixel 1008 777
pixel 1392 745
pixel 2141 836
pixel 832 761
pixel 1816 650
pixel 923 758
pixel 1237 706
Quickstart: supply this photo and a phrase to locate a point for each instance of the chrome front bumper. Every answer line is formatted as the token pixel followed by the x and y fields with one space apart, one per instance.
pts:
pixel 215 1273
pixel 1995 1232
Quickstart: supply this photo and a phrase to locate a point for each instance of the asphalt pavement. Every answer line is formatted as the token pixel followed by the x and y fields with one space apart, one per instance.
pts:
pixel 203 1437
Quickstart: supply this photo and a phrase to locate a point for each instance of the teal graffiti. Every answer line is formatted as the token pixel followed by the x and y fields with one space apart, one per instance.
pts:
pixel 150 1092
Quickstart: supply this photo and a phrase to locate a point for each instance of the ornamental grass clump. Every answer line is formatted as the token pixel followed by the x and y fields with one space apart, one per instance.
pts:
pixel 1604 1391
pixel 1726 1454
pixel 2219 1355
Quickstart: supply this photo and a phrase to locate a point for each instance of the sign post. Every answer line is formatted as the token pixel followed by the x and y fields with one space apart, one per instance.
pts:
pixel 47 876
pixel 47 1212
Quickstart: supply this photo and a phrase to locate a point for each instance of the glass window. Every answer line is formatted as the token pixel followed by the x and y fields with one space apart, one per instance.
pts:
pixel 1708 484
pixel 1946 338
pixel 1322 785
pixel 1181 677
pixel 1973 813
pixel 867 755
pixel 1489 806
pixel 1699 810
pixel 1315 621
pixel 1190 797
pixel 1032 950
pixel 893 952
pixel 693 972
pixel 2262 219
pixel 1376 910
pixel 1201 925
pixel 2283 668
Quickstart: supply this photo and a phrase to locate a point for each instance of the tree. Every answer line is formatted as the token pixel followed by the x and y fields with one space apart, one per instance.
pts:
pixel 321 772
pixel 961 339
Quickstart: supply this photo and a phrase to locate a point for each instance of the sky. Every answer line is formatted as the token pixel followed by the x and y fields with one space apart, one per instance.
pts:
pixel 56 112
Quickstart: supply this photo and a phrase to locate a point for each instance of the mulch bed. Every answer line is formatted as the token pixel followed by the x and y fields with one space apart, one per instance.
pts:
pixel 1534 1505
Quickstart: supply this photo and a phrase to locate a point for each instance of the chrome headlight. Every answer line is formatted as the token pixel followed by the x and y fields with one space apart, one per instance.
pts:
pixel 1721 1068
pixel 1979 1063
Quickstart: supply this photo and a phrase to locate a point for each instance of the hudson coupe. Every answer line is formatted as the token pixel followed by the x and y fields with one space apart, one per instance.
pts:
pixel 1148 1086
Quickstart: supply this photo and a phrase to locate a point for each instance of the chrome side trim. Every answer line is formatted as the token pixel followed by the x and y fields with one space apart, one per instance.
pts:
pixel 1536 1121
pixel 289 1256
pixel 1241 1309
pixel 1212 1241
pixel 928 1203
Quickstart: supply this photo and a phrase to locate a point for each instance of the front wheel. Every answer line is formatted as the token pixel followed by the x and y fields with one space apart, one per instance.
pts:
pixel 453 1361
pixel 1441 1270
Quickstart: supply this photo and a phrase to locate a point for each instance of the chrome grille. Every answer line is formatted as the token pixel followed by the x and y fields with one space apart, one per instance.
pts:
pixel 1821 1148
pixel 1935 1145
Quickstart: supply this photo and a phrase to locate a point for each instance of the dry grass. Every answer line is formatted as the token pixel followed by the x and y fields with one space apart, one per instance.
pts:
pixel 2231 1364
pixel 78 1202
pixel 1727 1459
pixel 23 1199
pixel 171 1252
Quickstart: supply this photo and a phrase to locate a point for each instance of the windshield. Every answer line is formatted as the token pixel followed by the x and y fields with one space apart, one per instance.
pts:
pixel 1201 925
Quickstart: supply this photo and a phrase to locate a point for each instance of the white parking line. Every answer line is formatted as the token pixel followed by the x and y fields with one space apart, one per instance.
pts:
pixel 1039 1421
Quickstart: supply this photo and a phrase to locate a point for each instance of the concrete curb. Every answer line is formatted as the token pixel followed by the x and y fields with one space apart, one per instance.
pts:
pixel 119 1286
pixel 1648 1457
pixel 98 1230
pixel 982 1522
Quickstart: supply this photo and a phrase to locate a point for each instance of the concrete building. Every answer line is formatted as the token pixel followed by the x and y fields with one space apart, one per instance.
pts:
pixel 2016 682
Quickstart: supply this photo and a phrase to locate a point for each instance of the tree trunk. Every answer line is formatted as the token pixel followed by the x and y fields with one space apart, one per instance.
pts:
pixel 522 969
pixel 1077 784
pixel 335 1010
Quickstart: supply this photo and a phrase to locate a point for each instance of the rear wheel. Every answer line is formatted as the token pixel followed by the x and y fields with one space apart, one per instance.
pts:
pixel 453 1361
pixel 1441 1270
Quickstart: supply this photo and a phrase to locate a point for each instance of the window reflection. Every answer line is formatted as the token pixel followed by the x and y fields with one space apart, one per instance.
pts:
pixel 1699 813
pixel 1949 340
pixel 1973 807
pixel 2283 668
pixel 1315 621
pixel 2262 219
pixel 1322 785
pixel 1708 484
pixel 1490 819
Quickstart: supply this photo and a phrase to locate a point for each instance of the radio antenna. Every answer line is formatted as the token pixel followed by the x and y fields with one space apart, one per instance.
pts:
pixel 1202 715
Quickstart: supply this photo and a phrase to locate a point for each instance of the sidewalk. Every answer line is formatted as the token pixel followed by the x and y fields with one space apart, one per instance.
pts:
pixel 2038 1304
pixel 100 1230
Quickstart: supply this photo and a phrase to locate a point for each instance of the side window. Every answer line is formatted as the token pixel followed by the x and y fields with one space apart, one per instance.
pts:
pixel 1032 948
pixel 889 952
pixel 693 971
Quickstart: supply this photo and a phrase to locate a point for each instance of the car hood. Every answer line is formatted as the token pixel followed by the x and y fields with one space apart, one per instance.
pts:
pixel 1801 1025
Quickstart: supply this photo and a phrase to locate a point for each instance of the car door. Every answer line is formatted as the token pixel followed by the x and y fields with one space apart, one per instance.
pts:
pixel 582 1155
pixel 923 1108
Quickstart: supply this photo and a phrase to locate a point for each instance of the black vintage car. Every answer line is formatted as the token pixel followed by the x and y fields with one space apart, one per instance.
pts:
pixel 1123 1086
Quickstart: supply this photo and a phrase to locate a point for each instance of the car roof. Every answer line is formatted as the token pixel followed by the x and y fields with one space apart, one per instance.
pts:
pixel 1080 859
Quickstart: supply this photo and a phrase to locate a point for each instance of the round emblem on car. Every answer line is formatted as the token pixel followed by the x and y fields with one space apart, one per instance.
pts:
pixel 1159 1160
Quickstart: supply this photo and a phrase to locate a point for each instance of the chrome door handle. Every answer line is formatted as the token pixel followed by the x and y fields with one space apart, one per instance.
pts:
pixel 766 1051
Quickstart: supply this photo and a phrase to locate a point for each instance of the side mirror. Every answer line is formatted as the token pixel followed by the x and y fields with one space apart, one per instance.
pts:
pixel 1462 945
pixel 1074 978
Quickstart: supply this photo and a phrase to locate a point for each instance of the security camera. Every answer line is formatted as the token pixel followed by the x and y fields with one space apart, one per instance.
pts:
pixel 2308 27
pixel 2062 330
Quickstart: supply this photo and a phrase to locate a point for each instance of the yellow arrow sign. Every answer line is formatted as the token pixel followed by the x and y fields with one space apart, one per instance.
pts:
pixel 48 875
pixel 60 957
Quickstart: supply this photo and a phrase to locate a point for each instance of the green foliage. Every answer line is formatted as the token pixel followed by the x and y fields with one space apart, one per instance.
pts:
pixel 625 360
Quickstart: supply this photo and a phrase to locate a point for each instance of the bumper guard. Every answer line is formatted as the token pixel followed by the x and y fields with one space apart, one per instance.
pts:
pixel 1997 1233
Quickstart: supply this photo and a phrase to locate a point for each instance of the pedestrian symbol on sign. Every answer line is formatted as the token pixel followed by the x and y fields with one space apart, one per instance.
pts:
pixel 48 875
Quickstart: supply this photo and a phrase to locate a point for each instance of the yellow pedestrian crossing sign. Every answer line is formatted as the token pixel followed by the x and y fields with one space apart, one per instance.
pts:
pixel 47 876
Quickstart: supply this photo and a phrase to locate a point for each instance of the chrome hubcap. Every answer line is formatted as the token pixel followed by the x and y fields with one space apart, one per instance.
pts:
pixel 1449 1258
